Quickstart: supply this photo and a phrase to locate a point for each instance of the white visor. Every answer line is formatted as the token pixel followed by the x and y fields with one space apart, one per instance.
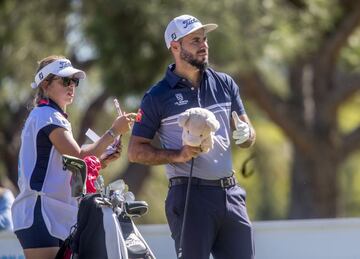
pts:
pixel 59 67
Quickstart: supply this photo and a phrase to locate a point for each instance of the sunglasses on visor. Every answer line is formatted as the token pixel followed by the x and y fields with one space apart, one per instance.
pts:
pixel 67 80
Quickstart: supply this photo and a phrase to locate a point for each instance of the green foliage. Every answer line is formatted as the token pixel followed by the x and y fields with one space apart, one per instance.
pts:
pixel 348 115
pixel 154 194
pixel 130 55
pixel 351 55
pixel 29 31
pixel 350 189
pixel 268 188
pixel 252 30
pixel 127 35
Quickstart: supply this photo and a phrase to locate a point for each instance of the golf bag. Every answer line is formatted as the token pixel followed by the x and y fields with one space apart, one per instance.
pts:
pixel 104 228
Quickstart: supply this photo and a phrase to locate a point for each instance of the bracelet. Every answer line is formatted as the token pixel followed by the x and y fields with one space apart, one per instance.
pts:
pixel 111 132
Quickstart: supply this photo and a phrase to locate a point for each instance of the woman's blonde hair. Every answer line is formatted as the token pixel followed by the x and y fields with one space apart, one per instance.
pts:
pixel 40 94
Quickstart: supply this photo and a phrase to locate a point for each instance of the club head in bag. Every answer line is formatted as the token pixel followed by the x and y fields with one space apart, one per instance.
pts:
pixel 118 185
pixel 99 185
pixel 136 208
pixel 116 199
pixel 78 169
pixel 136 247
pixel 129 196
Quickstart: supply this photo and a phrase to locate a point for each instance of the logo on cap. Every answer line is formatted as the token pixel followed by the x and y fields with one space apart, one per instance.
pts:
pixel 64 64
pixel 41 76
pixel 173 36
pixel 189 21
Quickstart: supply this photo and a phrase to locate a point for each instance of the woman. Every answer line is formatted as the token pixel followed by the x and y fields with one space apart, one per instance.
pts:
pixel 44 211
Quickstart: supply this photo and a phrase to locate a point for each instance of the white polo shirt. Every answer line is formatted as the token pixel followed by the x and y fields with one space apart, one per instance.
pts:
pixel 41 174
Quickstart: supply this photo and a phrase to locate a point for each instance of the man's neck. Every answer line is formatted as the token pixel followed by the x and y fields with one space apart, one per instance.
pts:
pixel 189 72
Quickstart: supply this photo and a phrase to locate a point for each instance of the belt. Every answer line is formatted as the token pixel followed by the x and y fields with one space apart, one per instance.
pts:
pixel 223 182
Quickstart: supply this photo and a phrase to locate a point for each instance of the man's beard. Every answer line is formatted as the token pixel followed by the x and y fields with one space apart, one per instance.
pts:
pixel 188 57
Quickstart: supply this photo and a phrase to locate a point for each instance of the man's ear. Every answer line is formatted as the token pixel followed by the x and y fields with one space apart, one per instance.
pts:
pixel 183 118
pixel 175 46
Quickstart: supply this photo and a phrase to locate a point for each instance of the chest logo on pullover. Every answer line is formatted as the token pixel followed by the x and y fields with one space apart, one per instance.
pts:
pixel 180 100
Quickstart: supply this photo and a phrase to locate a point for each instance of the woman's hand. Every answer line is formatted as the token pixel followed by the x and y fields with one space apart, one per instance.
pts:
pixel 123 123
pixel 106 158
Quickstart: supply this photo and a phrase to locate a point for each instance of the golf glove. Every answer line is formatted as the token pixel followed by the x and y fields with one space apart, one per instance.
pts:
pixel 242 129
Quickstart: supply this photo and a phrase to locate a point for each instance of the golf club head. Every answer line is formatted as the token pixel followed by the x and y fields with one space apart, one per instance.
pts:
pixel 136 208
pixel 129 197
pixel 118 185
pixel 78 169
pixel 99 184
pixel 117 199
pixel 101 201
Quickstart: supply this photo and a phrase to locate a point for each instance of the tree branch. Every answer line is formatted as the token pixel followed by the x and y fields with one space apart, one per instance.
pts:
pixel 83 65
pixel 278 111
pixel 339 36
pixel 324 62
pixel 298 4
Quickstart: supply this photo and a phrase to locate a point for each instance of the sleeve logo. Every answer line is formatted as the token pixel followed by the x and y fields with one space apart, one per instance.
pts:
pixel 139 114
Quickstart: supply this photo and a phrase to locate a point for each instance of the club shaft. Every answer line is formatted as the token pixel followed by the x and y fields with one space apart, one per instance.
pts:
pixel 185 210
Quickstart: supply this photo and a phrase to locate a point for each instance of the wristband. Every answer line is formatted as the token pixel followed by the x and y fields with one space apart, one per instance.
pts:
pixel 111 132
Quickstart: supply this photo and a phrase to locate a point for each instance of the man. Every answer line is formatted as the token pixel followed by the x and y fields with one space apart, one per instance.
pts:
pixel 217 220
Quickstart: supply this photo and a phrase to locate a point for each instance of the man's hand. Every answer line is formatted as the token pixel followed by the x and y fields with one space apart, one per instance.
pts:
pixel 242 132
pixel 187 152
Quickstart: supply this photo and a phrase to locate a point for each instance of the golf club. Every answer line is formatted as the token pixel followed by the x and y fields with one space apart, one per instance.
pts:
pixel 185 210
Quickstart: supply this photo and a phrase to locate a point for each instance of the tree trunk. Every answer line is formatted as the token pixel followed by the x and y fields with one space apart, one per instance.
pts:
pixel 314 186
pixel 92 113
pixel 12 125
pixel 11 165
pixel 135 176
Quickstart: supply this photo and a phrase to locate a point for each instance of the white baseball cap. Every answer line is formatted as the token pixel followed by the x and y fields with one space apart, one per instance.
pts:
pixel 60 67
pixel 183 25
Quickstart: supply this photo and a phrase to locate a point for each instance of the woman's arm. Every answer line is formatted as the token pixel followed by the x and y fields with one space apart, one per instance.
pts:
pixel 65 143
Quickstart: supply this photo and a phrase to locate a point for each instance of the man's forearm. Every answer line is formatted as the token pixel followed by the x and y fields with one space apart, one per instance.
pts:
pixel 149 155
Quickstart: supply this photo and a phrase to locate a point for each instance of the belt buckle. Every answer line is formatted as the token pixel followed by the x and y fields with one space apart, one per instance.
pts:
pixel 226 182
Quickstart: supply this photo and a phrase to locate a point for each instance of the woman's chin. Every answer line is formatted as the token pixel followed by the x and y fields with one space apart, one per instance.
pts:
pixel 70 99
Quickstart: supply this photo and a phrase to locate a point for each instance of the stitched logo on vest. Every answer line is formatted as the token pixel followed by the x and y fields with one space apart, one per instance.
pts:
pixel 180 99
